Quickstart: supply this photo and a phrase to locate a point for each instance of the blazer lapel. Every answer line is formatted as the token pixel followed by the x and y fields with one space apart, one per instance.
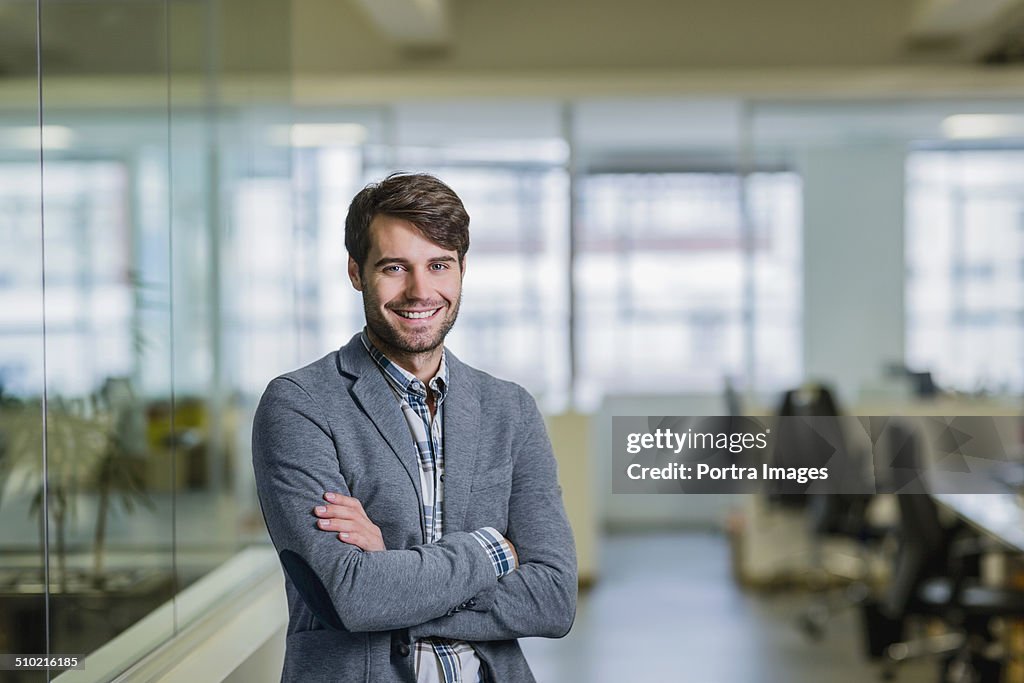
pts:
pixel 461 429
pixel 378 402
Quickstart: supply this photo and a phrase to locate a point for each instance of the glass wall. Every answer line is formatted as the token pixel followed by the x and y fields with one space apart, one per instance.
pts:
pixel 137 140
pixel 23 534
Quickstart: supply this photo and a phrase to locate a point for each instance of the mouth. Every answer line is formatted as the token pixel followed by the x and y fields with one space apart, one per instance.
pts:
pixel 425 314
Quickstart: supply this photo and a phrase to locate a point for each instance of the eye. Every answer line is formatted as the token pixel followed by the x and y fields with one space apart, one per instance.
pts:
pixel 439 266
pixel 393 268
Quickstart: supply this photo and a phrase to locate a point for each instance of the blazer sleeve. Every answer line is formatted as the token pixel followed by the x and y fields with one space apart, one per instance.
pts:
pixel 539 597
pixel 295 462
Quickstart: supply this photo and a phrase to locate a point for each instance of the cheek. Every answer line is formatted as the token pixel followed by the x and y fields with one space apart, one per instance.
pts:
pixel 451 290
pixel 381 292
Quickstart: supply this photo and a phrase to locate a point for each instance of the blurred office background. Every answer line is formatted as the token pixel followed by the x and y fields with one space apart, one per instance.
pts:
pixel 677 208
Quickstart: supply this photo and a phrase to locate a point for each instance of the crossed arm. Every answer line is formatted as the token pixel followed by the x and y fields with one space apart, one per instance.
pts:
pixel 445 589
pixel 346 516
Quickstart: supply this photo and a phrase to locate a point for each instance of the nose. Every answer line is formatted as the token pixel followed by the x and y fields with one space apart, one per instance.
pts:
pixel 416 288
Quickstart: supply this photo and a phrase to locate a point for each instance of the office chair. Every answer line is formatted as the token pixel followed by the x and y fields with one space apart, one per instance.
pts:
pixel 829 514
pixel 934 577
pixel 797 444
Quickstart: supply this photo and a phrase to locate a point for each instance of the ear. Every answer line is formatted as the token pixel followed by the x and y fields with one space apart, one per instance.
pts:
pixel 462 268
pixel 353 275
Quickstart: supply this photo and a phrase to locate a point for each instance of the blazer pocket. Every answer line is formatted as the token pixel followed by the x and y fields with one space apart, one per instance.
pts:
pixel 326 655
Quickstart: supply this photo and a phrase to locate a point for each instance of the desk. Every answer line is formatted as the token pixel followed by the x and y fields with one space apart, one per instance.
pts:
pixel 999 515
pixel 995 510
pixel 985 501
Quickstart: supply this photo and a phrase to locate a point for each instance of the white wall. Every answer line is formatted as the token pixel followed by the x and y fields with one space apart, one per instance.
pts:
pixel 853 262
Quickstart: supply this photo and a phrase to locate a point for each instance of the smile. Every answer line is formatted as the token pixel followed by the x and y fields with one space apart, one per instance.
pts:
pixel 417 315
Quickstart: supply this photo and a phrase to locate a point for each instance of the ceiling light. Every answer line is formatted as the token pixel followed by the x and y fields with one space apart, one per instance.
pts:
pixel 320 134
pixel 31 137
pixel 979 126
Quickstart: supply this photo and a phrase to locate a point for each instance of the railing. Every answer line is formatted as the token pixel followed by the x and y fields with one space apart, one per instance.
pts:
pixel 220 622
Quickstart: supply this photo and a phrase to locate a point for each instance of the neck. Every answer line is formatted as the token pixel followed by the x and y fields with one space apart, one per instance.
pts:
pixel 423 365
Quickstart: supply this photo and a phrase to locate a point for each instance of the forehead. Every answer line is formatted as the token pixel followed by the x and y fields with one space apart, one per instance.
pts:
pixel 396 237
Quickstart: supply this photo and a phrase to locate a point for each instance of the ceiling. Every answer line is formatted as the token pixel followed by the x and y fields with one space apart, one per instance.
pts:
pixel 373 37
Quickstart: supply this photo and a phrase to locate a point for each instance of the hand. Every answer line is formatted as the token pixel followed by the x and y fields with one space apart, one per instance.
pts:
pixel 515 555
pixel 346 516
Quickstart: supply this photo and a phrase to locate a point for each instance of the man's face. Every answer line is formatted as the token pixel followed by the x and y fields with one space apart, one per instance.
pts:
pixel 411 287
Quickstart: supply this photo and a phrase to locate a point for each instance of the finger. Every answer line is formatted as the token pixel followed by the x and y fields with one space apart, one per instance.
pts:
pixel 329 524
pixel 343 525
pixel 334 524
pixel 337 512
pixel 341 499
pixel 354 538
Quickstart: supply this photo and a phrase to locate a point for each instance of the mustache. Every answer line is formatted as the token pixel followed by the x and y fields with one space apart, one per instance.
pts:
pixel 414 304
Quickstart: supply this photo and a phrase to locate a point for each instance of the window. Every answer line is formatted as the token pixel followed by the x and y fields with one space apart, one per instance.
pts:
pixel 663 267
pixel 89 277
pixel 965 268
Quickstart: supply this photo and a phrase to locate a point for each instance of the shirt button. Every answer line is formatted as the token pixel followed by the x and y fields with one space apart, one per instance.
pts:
pixel 442 476
pixel 403 650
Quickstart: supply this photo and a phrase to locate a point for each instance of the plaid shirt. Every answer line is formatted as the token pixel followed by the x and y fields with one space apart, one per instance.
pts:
pixel 437 659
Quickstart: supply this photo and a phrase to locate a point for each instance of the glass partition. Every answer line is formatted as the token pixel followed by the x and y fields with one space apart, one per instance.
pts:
pixel 24 618
pixel 139 168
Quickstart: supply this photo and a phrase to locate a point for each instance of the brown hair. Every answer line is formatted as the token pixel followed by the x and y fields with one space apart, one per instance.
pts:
pixel 419 198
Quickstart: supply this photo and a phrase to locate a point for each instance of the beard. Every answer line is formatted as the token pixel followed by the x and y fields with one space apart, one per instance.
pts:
pixel 405 341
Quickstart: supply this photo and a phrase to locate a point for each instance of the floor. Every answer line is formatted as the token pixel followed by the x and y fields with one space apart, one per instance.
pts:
pixel 667 609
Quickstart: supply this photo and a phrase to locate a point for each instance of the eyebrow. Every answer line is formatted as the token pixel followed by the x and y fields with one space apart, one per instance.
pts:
pixel 388 260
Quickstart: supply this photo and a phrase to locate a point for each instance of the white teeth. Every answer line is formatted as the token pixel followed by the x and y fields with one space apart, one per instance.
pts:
pixel 415 315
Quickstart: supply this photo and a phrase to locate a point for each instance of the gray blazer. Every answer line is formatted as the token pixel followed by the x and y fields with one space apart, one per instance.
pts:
pixel 334 425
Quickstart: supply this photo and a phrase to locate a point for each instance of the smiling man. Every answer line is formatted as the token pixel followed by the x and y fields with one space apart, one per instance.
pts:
pixel 413 500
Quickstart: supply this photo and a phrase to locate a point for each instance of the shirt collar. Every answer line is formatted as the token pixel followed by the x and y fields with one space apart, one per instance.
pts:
pixel 401 379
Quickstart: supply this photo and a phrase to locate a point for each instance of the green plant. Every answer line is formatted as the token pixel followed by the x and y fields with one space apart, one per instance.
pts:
pixel 119 475
pixel 92 443
pixel 74 441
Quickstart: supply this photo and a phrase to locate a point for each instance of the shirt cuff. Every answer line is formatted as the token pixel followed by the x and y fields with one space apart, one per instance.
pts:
pixel 498 549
